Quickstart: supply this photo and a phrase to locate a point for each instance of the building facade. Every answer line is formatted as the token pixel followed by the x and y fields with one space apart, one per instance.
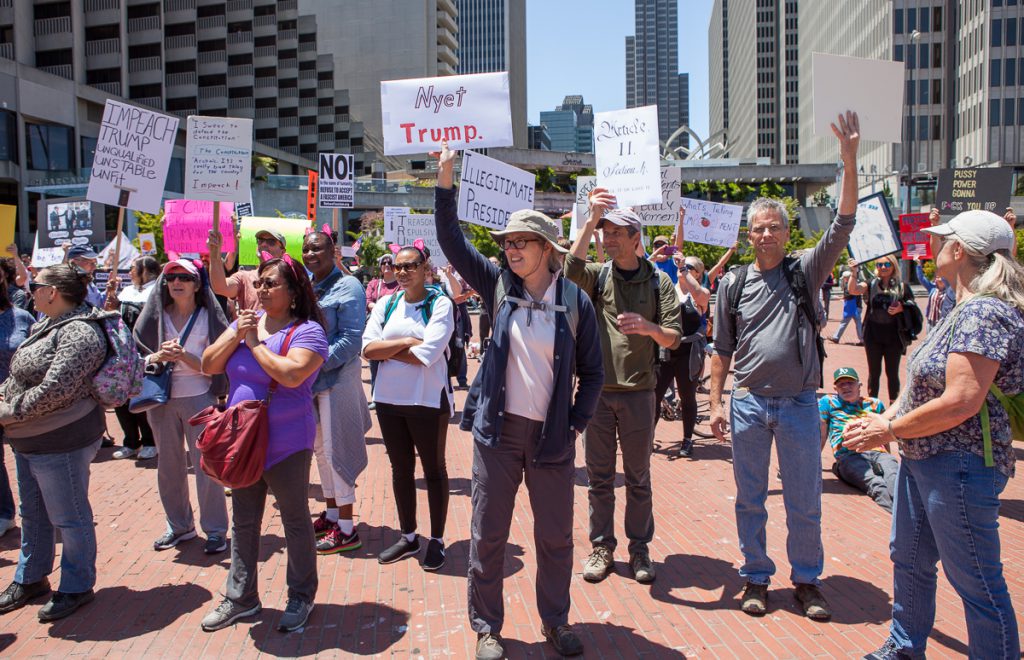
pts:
pixel 652 67
pixel 492 37
pixel 538 138
pixel 570 126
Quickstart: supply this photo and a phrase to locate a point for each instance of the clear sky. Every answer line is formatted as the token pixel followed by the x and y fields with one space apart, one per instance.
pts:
pixel 579 47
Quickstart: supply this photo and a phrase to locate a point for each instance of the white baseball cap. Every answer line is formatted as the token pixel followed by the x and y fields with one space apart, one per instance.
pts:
pixel 981 231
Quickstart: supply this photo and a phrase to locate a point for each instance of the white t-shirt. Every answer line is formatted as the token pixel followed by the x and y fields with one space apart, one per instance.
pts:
pixel 530 374
pixel 131 294
pixel 404 384
pixel 186 381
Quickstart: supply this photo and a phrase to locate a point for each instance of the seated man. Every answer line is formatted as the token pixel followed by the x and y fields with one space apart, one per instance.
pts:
pixel 873 472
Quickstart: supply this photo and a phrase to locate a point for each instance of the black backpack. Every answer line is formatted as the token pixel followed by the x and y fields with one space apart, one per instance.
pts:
pixel 455 353
pixel 797 281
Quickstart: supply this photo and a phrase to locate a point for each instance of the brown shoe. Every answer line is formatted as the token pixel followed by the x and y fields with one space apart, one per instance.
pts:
pixel 813 602
pixel 755 599
pixel 599 564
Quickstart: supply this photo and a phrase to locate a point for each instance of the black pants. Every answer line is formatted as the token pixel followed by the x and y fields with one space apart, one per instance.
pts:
pixel 881 346
pixel 137 432
pixel 411 430
pixel 678 369
pixel 485 329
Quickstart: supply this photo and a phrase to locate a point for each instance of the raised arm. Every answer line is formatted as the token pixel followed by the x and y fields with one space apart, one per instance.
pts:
pixel 717 269
pixel 218 279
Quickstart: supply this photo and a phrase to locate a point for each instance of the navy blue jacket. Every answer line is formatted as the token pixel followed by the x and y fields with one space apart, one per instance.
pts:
pixel 485 405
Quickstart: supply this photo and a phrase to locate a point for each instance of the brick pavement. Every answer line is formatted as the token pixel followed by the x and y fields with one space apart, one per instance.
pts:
pixel 149 604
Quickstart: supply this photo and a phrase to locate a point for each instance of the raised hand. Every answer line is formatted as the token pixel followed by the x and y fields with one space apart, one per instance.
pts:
pixel 848 134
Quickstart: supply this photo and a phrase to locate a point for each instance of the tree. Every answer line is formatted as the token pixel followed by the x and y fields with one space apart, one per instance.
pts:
pixel 481 239
pixel 152 223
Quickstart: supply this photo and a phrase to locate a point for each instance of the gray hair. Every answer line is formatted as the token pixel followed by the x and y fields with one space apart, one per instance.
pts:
pixel 766 205
pixel 999 275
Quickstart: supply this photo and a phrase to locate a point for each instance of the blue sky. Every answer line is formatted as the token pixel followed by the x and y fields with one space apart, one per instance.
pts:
pixel 579 47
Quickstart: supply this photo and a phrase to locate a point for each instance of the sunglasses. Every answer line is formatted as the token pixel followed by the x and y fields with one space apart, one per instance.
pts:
pixel 518 243
pixel 35 286
pixel 401 268
pixel 883 265
pixel 265 284
pixel 179 277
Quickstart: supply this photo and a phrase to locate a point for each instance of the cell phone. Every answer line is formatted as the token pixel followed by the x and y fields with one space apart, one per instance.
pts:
pixel 670 249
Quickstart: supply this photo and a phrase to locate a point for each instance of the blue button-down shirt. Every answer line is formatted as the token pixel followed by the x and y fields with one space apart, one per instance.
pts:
pixel 343 303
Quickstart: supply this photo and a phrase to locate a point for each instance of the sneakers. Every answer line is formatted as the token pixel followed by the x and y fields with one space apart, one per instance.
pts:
pixel 147 453
pixel 322 525
pixel 434 559
pixel 6 525
pixel 226 614
pixel 335 541
pixel 889 651
pixel 489 647
pixel 18 595
pixel 170 539
pixel 123 452
pixel 599 564
pixel 215 544
pixel 813 602
pixel 62 605
pixel 564 640
pixel 686 449
pixel 643 569
pixel 399 550
pixel 295 615
pixel 755 599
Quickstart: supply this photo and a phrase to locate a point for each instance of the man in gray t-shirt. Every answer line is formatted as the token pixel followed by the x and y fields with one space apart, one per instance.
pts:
pixel 772 346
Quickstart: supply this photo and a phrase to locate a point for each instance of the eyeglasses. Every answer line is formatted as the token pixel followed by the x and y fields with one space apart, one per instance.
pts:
pixel 883 265
pixel 518 243
pixel 773 228
pixel 386 264
pixel 265 284
pixel 180 277
pixel 659 244
pixel 401 268
pixel 35 286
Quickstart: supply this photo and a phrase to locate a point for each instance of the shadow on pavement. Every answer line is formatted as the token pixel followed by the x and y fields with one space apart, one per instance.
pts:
pixel 6 640
pixel 457 559
pixel 954 645
pixel 697 572
pixel 358 629
pixel 456 485
pixel 1012 509
pixel 608 640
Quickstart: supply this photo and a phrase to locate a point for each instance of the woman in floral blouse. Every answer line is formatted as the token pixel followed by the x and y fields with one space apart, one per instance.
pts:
pixel 951 476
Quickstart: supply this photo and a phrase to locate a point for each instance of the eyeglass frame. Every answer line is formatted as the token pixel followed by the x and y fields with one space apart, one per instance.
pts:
pixel 406 267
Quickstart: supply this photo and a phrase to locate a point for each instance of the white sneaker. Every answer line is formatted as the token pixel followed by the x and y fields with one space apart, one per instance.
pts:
pixel 124 452
pixel 6 526
pixel 146 453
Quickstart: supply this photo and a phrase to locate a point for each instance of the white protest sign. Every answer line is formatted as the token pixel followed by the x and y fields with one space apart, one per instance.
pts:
pixel 337 184
pixel 871 88
pixel 133 151
pixel 711 223
pixel 584 184
pixel 490 191
pixel 627 155
pixel 127 255
pixel 470 111
pixel 218 159
pixel 46 256
pixel 402 228
pixel 875 235
pixel 665 214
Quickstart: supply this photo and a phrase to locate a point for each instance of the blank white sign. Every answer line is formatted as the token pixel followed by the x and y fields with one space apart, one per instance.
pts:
pixel 871 88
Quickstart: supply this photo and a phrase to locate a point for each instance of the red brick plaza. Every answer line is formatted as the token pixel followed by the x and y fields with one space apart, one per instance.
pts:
pixel 149 604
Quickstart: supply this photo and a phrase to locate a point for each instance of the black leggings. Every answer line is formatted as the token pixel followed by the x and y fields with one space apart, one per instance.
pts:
pixel 411 430
pixel 678 369
pixel 883 345
pixel 137 432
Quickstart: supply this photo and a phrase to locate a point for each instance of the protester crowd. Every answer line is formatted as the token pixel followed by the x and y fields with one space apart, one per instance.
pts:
pixel 573 348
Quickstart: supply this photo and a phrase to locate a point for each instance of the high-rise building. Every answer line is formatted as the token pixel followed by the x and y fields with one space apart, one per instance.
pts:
pixel 492 37
pixel 652 66
pixel 570 126
pixel 375 40
pixel 538 138
pixel 718 68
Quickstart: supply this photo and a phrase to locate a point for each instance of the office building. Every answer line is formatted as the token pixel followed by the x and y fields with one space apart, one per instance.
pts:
pixel 652 66
pixel 538 138
pixel 718 69
pixel 570 126
pixel 492 37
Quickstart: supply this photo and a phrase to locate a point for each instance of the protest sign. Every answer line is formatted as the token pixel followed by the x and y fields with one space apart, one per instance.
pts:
pixel 218 159
pixel 490 191
pixel 66 220
pixel 127 254
pixel 972 188
pixel 8 215
pixel 665 214
pixel 584 185
pixel 875 234
pixel 627 155
pixel 187 224
pixel 916 243
pixel 244 209
pixel 312 186
pixel 402 228
pixel 710 223
pixel 147 243
pixel 47 256
pixel 293 230
pixel 470 111
pixel 133 151
pixel 336 182
pixel 871 88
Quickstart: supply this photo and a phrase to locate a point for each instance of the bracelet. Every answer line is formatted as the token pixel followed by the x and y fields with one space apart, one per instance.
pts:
pixel 891 432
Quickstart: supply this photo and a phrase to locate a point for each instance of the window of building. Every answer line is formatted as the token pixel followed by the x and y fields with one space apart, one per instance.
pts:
pixel 1020 112
pixel 1010 72
pixel 997 32
pixel 911 57
pixel 180 66
pixel 922 128
pixel 937 56
pixel 937 90
pixel 154 90
pixel 179 29
pixel 897 21
pixel 1011 32
pixel 922 93
pixel 206 11
pixel 52 10
pixel 993 112
pixel 923 20
pixel 176 176
pixel 922 55
pixel 911 20
pixel 8 136
pixel 1008 108
pixel 183 103
pixel 909 94
pixel 88 151
pixel 212 45
pixel 239 59
pixel 143 11
pixel 51 147
pixel 936 19
pixel 936 127
pixel 995 69
pixel 898 52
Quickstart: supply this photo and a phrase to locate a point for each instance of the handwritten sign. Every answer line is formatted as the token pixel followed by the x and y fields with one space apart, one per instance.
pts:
pixel 187 223
pixel 584 186
pixel 218 159
pixel 147 243
pixel 971 188
pixel 875 234
pixel 45 256
pixel 133 151
pixel 67 220
pixel 665 214
pixel 490 190
pixel 336 182
pixel 127 255
pixel 711 223
pixel 470 112
pixel 293 230
pixel 627 155
pixel 871 88
pixel 402 228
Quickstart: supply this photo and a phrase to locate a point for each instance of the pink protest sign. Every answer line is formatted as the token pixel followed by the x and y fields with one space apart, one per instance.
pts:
pixel 187 223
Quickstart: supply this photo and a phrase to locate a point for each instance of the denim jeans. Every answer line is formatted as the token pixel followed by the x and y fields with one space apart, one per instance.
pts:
pixel 54 491
pixel 873 472
pixel 793 423
pixel 6 496
pixel 947 509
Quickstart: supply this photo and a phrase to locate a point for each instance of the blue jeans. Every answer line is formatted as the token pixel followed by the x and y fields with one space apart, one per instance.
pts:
pixel 6 496
pixel 793 423
pixel 947 508
pixel 54 490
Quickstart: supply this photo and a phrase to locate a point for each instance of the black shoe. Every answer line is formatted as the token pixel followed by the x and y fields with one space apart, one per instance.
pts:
pixel 564 640
pixel 643 569
pixel 889 651
pixel 399 551
pixel 215 545
pixel 107 442
pixel 435 556
pixel 62 605
pixel 755 599
pixel 686 449
pixel 489 647
pixel 17 595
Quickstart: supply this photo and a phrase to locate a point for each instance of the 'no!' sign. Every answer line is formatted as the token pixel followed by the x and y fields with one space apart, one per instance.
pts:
pixel 337 181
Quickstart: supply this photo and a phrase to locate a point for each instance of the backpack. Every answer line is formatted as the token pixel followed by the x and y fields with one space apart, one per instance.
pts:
pixel 120 376
pixel 455 352
pixel 660 354
pixel 570 301
pixel 797 281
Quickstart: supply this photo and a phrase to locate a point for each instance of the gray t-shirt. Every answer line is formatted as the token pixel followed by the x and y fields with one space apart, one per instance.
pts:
pixel 774 351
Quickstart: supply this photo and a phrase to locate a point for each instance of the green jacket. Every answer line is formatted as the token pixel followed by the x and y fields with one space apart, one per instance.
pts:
pixel 630 361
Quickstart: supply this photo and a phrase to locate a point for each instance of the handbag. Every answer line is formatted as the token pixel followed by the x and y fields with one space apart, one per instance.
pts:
pixel 233 445
pixel 156 385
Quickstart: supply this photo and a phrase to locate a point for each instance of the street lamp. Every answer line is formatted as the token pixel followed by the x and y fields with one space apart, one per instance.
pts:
pixel 915 36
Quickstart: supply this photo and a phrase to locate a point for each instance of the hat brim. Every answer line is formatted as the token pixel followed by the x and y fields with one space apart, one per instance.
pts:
pixel 939 230
pixel 853 378
pixel 498 235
